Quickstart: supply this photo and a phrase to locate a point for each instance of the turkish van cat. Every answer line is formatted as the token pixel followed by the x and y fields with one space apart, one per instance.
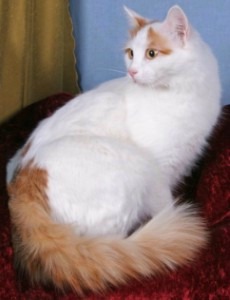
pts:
pixel 100 166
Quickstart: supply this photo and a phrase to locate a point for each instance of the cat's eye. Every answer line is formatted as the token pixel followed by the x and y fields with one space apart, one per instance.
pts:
pixel 151 53
pixel 130 53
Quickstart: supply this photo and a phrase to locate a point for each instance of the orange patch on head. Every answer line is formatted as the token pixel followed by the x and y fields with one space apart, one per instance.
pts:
pixel 158 42
pixel 141 23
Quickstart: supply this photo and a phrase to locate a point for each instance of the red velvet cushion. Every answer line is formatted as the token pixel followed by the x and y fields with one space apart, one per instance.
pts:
pixel 213 189
pixel 207 278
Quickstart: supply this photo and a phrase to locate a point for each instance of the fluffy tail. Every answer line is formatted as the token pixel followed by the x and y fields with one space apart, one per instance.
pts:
pixel 51 252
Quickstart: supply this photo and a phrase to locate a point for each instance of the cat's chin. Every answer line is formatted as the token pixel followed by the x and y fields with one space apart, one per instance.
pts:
pixel 151 85
pixel 139 82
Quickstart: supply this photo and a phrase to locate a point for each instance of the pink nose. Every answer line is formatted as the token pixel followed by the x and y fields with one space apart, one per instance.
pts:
pixel 132 72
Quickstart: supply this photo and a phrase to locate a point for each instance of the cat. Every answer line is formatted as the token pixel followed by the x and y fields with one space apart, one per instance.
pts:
pixel 109 160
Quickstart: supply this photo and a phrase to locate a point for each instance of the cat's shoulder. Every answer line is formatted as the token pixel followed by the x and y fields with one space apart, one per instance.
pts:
pixel 114 85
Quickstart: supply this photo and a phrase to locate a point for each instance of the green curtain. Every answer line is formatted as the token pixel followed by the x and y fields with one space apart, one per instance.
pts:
pixel 36 52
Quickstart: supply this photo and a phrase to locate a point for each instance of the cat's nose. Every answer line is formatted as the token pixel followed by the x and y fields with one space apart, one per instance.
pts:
pixel 132 72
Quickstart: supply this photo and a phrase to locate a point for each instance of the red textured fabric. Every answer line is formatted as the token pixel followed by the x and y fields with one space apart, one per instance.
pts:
pixel 207 278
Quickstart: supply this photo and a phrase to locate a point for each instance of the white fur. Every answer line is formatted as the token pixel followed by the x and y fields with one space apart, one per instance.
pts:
pixel 114 154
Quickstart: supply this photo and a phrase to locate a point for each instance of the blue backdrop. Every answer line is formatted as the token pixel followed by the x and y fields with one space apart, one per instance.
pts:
pixel 100 27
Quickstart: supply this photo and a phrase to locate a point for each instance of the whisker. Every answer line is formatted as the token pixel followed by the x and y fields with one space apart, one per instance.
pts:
pixel 112 69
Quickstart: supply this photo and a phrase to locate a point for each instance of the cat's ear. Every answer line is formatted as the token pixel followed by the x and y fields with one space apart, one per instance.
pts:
pixel 178 24
pixel 136 21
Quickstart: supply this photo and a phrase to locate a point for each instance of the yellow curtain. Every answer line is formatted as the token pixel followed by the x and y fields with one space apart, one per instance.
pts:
pixel 36 52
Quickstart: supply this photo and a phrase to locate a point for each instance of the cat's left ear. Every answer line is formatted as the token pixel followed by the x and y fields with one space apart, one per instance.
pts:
pixel 178 24
pixel 135 20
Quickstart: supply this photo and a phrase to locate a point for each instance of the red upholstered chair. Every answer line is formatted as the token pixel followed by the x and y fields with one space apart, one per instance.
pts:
pixel 207 278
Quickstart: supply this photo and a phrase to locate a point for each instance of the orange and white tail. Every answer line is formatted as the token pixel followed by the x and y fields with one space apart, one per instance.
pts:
pixel 51 252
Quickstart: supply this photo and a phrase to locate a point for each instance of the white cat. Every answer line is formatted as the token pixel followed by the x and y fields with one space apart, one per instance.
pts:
pixel 110 158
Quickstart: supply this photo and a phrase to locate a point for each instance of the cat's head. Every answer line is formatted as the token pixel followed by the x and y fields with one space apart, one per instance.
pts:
pixel 157 51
